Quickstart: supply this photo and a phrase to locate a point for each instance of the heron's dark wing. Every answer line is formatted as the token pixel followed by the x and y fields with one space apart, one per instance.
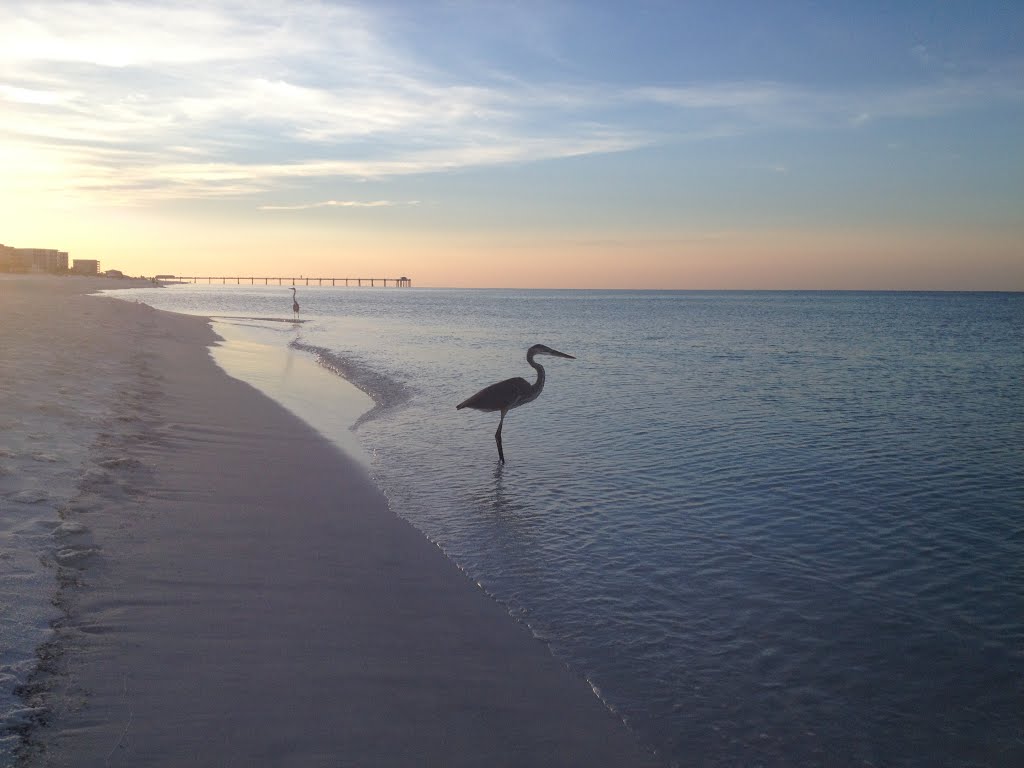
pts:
pixel 504 394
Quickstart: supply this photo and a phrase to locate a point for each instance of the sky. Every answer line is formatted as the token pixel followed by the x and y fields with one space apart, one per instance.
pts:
pixel 641 144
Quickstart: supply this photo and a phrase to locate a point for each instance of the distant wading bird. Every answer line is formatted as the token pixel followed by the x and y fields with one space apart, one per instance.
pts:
pixel 295 304
pixel 511 393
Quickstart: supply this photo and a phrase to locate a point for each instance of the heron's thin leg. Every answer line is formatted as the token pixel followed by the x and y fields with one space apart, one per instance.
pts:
pixel 497 437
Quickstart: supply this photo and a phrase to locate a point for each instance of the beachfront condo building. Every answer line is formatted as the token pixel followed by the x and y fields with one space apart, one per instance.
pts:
pixel 33 260
pixel 85 266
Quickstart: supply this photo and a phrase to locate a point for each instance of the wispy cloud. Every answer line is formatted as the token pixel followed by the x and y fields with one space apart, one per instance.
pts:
pixel 116 96
pixel 772 104
pixel 339 204
pixel 135 102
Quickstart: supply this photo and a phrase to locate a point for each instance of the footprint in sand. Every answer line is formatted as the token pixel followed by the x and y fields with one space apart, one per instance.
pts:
pixel 70 528
pixel 32 496
pixel 72 556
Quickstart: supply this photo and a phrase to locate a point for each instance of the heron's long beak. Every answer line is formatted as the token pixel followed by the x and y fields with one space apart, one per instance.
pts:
pixel 556 353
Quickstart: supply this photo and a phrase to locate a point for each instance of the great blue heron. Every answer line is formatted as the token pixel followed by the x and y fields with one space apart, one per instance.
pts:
pixel 511 393
pixel 295 303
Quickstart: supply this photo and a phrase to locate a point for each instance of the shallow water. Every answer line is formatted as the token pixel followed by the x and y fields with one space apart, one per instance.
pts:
pixel 769 528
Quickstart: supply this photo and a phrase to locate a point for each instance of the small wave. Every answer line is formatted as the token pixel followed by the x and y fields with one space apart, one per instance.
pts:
pixel 288 320
pixel 386 393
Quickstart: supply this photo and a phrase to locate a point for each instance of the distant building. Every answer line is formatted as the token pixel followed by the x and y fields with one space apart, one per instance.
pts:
pixel 85 267
pixel 33 260
pixel 8 258
pixel 45 260
pixel 114 273
pixel 15 260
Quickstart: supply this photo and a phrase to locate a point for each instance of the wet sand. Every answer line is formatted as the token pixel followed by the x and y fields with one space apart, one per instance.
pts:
pixel 237 591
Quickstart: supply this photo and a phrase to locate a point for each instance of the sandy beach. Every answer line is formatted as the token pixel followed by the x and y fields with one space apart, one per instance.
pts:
pixel 234 590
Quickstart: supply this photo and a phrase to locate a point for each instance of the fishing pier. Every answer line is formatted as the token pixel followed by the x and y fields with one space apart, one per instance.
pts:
pixel 372 282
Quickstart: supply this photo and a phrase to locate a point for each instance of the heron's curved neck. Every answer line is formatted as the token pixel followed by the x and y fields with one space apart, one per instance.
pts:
pixel 539 384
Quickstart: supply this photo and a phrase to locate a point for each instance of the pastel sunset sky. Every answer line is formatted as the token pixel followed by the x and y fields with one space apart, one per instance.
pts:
pixel 646 144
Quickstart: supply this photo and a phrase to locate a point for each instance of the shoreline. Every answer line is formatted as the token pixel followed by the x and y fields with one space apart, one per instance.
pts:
pixel 237 591
pixel 294 378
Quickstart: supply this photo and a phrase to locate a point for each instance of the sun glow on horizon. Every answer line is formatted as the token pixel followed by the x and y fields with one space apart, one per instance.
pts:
pixel 475 145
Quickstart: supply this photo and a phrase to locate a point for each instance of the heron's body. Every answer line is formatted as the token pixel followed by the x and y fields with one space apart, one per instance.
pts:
pixel 514 392
pixel 511 393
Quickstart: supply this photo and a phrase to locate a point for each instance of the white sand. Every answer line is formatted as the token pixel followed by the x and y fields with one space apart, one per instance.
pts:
pixel 242 595
pixel 55 400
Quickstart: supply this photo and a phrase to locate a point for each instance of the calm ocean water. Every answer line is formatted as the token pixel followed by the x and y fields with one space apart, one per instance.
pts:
pixel 770 528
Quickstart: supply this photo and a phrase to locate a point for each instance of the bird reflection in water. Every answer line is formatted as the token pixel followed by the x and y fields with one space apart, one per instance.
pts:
pixel 504 503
